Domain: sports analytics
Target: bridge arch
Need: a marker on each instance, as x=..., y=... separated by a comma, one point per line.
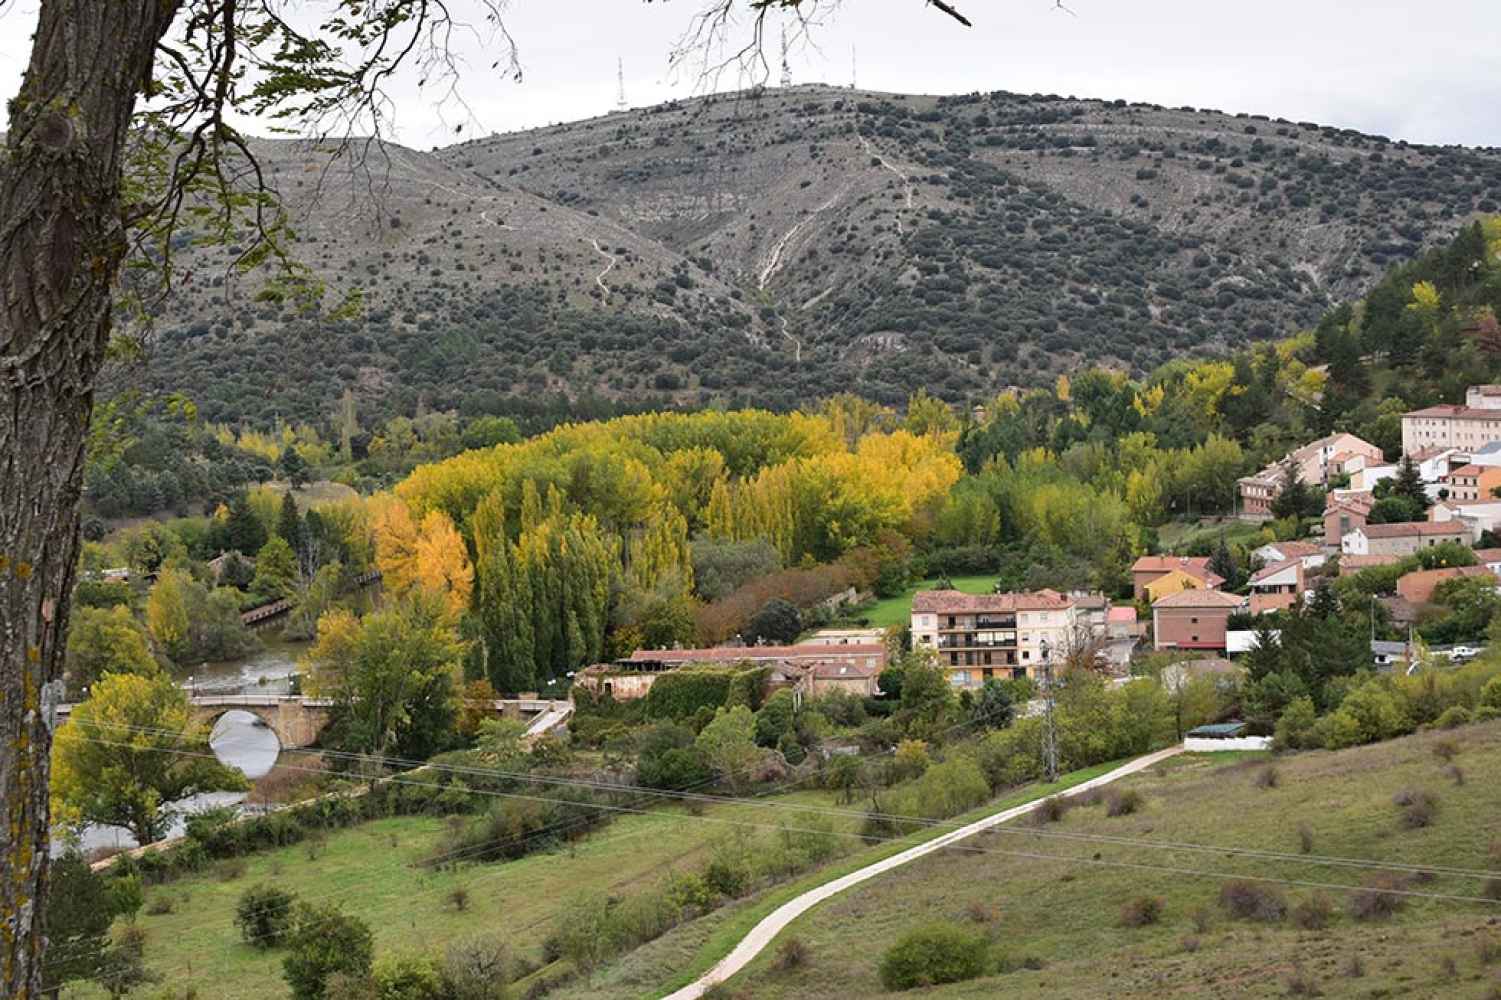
x=242, y=738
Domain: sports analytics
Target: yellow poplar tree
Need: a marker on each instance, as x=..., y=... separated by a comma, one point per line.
x=442, y=566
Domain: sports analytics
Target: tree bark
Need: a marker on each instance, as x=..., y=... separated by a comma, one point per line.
x=62, y=240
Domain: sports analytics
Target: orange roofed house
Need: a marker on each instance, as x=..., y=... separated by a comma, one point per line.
x=982, y=636
x=1418, y=586
x=1193, y=619
x=1148, y=569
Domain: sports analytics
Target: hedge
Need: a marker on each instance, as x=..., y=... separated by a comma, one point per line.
x=680, y=693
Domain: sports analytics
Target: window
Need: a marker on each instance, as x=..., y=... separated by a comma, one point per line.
x=1193, y=621
x=1195, y=638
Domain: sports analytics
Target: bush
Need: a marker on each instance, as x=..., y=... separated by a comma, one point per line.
x=1051, y=810
x=1248, y=900
x=477, y=968
x=408, y=977
x=125, y=896
x=1122, y=802
x=791, y=954
x=936, y=953
x=264, y=915
x=1378, y=900
x=1313, y=913
x=1142, y=911
x=1268, y=777
x=1487, y=713
x=1305, y=838
x=326, y=942
x=458, y=898
x=1453, y=717
x=680, y=693
x=1419, y=807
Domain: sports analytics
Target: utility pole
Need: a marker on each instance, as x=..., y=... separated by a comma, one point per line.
x=620, y=104
x=852, y=67
x=1050, y=733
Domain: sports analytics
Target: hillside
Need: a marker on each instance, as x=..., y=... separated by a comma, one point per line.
x=1051, y=904
x=797, y=243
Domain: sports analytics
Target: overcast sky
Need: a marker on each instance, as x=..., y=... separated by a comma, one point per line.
x=1426, y=72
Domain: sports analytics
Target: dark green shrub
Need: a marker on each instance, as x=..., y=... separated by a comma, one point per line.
x=1419, y=807
x=681, y=693
x=325, y=942
x=937, y=953
x=264, y=915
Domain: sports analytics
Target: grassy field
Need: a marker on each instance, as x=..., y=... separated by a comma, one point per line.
x=372, y=871
x=1054, y=904
x=898, y=610
x=689, y=950
x=1177, y=536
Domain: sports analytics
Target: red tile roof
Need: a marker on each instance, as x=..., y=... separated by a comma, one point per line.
x=831, y=670
x=1194, y=566
x=1466, y=470
x=1405, y=529
x=732, y=654
x=1455, y=412
x=1488, y=555
x=1121, y=614
x=957, y=602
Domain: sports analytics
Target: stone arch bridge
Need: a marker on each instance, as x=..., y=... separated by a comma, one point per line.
x=297, y=721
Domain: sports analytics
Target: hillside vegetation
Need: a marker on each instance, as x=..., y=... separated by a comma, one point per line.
x=786, y=245
x=1053, y=909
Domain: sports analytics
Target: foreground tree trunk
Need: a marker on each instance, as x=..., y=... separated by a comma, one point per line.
x=62, y=240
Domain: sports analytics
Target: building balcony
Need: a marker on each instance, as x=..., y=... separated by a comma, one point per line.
x=962, y=642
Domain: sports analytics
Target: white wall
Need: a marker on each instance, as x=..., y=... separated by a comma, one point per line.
x=1200, y=745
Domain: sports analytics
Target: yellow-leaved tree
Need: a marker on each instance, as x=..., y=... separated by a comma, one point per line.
x=442, y=564
x=129, y=754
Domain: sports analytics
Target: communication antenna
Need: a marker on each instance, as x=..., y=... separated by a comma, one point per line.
x=620, y=81
x=852, y=67
x=786, y=67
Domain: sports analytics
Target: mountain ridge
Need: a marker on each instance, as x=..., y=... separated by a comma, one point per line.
x=773, y=248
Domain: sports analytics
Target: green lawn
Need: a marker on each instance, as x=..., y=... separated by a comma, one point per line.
x=898, y=610
x=1049, y=902
x=1178, y=536
x=371, y=870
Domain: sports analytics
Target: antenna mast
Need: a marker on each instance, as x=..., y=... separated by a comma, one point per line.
x=620, y=81
x=786, y=68
x=852, y=67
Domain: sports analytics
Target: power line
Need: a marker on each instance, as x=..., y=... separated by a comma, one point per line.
x=844, y=813
x=1032, y=855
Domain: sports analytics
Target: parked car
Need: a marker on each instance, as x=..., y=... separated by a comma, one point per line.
x=1463, y=653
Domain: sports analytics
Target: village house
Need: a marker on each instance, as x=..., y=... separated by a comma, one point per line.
x=1310, y=555
x=871, y=655
x=1172, y=582
x=1278, y=586
x=1490, y=559
x=1343, y=513
x=1471, y=426
x=1149, y=568
x=982, y=636
x=827, y=676
x=1403, y=538
x=1418, y=586
x=1194, y=619
x=1316, y=464
x=1470, y=483
x=1121, y=623
x=1475, y=518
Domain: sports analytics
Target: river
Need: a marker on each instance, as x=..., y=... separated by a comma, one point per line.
x=238, y=738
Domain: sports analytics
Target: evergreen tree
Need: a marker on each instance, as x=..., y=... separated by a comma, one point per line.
x=78, y=919
x=244, y=532
x=289, y=522
x=1265, y=655
x=294, y=467
x=1223, y=563
x=1293, y=501
x=1408, y=483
